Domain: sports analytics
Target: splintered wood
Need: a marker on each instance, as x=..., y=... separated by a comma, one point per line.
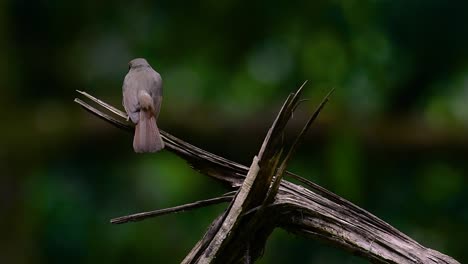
x=264, y=201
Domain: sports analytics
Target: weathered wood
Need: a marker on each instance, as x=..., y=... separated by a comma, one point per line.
x=308, y=210
x=237, y=239
x=230, y=220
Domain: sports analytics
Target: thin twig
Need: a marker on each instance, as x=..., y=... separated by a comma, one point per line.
x=105, y=105
x=176, y=209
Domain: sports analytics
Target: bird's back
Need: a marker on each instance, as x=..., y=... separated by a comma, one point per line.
x=140, y=79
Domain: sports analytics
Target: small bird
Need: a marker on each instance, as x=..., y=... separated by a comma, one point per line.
x=142, y=98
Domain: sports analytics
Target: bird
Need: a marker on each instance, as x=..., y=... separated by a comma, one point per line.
x=142, y=98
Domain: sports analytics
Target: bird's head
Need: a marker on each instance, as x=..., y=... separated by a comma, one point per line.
x=137, y=63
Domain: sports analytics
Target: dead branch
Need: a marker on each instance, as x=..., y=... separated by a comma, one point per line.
x=144, y=215
x=263, y=202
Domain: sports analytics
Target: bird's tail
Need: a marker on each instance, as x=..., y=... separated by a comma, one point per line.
x=147, y=137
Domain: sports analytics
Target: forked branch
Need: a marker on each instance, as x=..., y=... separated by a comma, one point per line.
x=264, y=201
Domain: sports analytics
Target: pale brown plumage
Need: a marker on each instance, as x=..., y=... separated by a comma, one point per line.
x=142, y=98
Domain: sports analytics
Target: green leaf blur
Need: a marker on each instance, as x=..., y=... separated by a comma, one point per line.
x=393, y=139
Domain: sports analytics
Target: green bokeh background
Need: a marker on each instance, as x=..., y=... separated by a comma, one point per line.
x=394, y=138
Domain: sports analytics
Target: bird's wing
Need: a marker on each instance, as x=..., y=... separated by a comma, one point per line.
x=130, y=99
x=157, y=87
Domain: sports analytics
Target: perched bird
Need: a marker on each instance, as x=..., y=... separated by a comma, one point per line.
x=142, y=98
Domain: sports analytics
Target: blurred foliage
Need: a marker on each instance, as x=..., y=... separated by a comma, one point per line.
x=394, y=138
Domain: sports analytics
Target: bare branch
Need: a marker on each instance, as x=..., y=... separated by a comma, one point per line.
x=176, y=209
x=119, y=124
x=105, y=105
x=311, y=212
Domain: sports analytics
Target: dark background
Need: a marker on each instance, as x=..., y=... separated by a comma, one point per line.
x=394, y=138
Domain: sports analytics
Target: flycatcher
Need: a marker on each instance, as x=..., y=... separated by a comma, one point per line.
x=142, y=98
